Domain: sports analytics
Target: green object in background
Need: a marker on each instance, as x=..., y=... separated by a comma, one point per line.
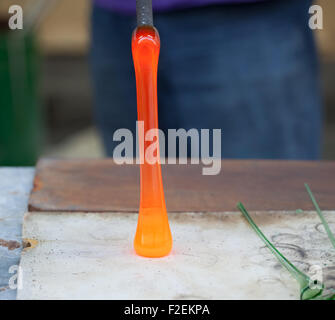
x=20, y=125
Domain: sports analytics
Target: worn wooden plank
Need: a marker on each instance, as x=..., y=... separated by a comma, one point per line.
x=15, y=185
x=102, y=186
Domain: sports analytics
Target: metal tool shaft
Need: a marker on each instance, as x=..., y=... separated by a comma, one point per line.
x=144, y=13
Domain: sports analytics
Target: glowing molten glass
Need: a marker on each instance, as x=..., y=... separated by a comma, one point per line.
x=153, y=236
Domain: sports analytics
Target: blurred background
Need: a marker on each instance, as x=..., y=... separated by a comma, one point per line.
x=52, y=104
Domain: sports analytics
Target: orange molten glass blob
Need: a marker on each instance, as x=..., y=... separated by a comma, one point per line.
x=153, y=236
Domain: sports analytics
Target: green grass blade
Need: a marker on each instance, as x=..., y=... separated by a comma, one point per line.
x=301, y=277
x=321, y=216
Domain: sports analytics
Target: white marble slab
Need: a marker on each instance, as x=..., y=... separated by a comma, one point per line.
x=215, y=256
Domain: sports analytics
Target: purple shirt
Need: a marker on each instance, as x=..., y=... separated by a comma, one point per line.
x=129, y=6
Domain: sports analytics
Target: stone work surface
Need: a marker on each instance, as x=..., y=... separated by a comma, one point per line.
x=15, y=185
x=215, y=256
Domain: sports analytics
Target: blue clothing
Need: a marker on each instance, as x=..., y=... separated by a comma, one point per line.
x=248, y=69
x=129, y=6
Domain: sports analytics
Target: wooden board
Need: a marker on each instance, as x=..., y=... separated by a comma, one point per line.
x=102, y=186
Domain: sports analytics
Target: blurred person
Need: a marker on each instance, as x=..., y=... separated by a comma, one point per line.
x=244, y=66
